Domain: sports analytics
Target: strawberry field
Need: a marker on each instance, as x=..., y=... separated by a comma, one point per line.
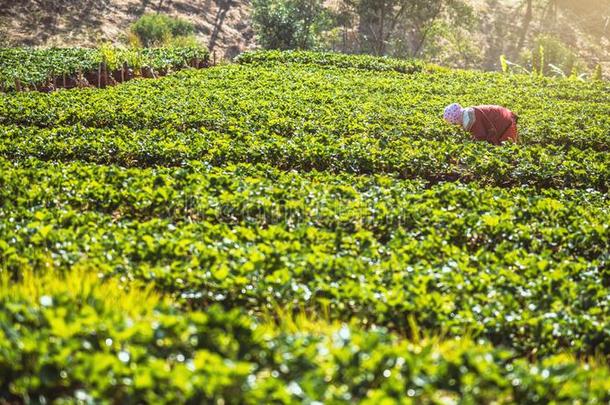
x=24, y=69
x=305, y=228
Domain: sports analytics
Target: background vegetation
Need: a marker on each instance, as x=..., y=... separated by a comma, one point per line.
x=574, y=38
x=459, y=33
x=159, y=30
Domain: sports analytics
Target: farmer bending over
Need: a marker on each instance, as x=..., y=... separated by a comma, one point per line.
x=490, y=123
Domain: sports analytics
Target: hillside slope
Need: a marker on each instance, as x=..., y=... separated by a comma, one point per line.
x=221, y=24
x=225, y=25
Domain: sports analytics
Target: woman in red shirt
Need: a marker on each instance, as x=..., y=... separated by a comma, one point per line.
x=490, y=123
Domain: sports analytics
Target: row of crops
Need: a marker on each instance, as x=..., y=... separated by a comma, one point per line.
x=304, y=227
x=364, y=62
x=365, y=247
x=75, y=339
x=48, y=69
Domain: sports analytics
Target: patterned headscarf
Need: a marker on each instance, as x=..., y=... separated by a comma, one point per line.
x=453, y=113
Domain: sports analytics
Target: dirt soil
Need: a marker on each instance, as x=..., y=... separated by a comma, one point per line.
x=223, y=25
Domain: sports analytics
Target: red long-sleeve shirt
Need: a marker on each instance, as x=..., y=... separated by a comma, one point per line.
x=494, y=124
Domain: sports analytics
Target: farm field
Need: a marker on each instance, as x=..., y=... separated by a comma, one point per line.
x=304, y=228
x=23, y=69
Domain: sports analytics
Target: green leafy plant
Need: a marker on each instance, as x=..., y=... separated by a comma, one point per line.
x=289, y=24
x=301, y=227
x=364, y=62
x=597, y=74
x=504, y=64
x=64, y=335
x=159, y=29
x=33, y=69
x=549, y=56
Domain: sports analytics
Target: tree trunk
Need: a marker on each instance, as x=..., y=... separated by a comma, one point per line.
x=424, y=29
x=395, y=20
x=381, y=37
x=527, y=19
x=369, y=15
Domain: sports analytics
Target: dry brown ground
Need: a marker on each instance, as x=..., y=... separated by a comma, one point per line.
x=224, y=25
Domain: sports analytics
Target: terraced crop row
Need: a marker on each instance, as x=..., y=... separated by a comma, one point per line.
x=76, y=338
x=326, y=103
x=34, y=69
x=363, y=62
x=431, y=160
x=524, y=269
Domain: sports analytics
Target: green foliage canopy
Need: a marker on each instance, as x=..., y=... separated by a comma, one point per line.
x=157, y=29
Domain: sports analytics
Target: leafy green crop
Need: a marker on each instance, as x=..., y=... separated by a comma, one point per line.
x=434, y=161
x=305, y=117
x=316, y=225
x=365, y=62
x=76, y=338
x=380, y=249
x=32, y=68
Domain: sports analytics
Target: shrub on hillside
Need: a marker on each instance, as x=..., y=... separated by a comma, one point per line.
x=158, y=29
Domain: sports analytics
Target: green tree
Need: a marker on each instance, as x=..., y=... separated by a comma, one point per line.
x=408, y=23
x=289, y=24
